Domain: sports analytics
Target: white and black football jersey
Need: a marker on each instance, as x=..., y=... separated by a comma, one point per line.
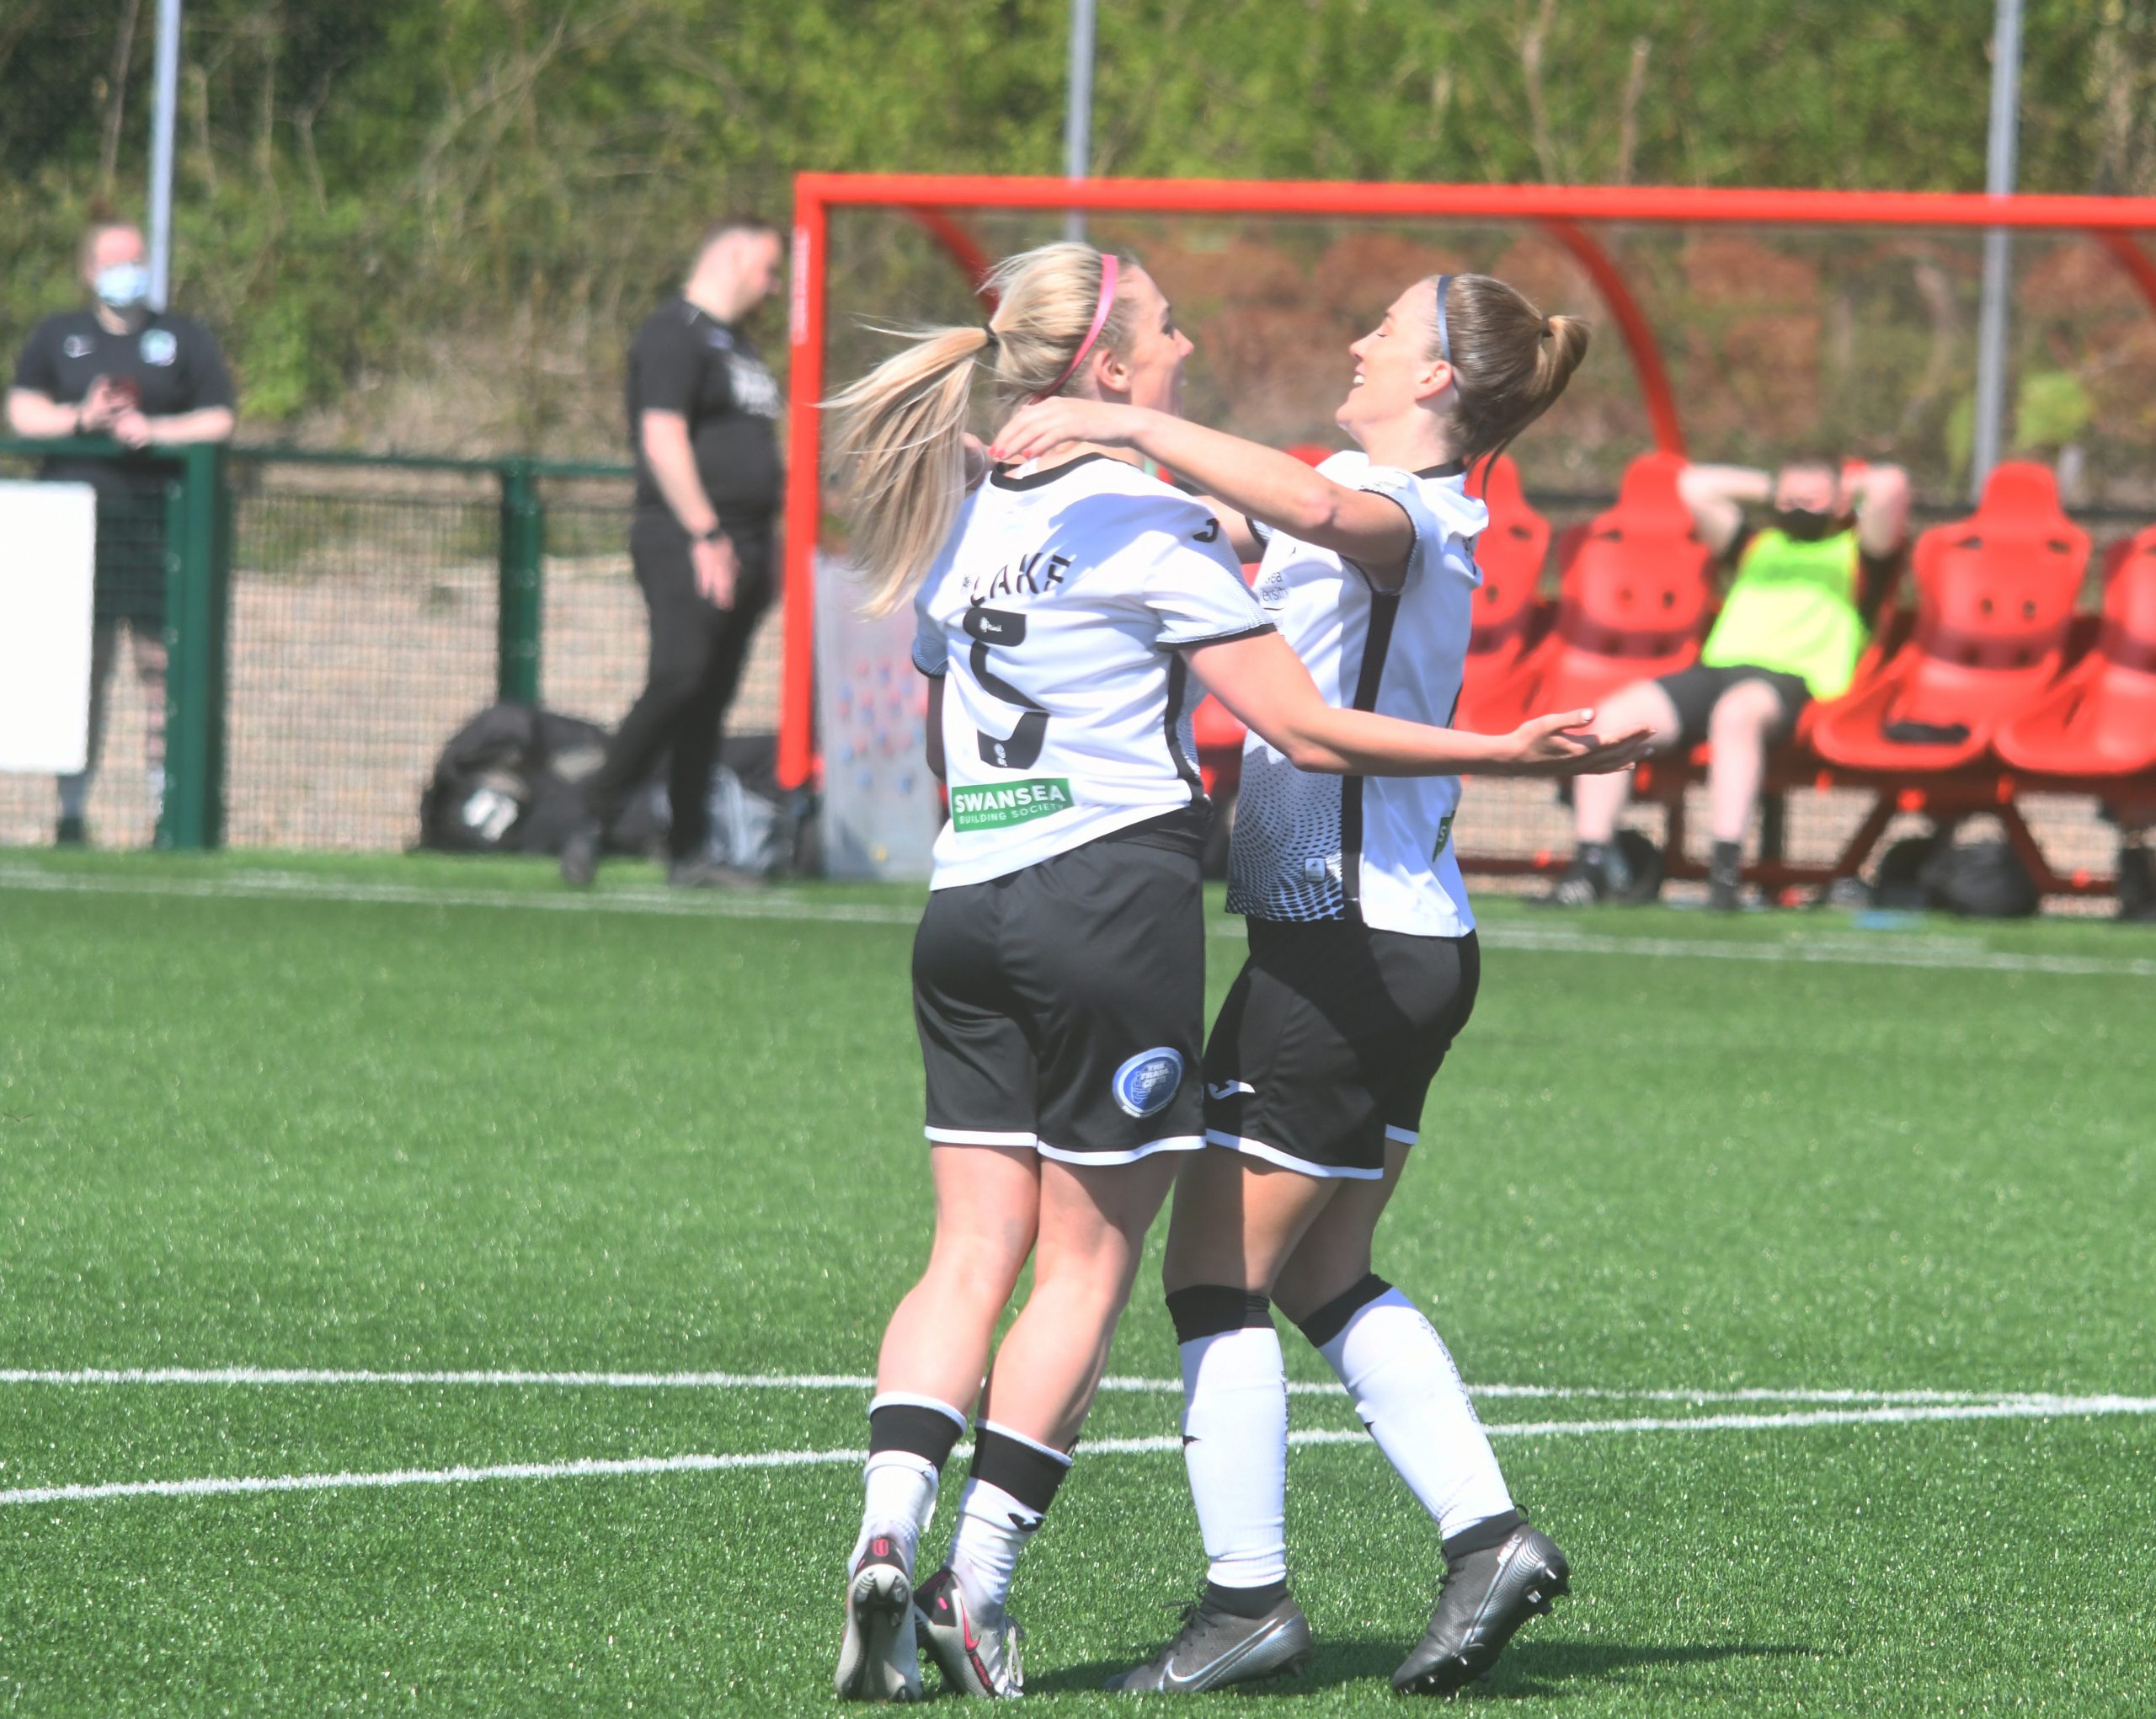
x=1379, y=848
x=1057, y=613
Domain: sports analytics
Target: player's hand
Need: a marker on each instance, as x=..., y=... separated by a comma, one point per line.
x=104, y=402
x=132, y=429
x=1040, y=428
x=1563, y=745
x=716, y=566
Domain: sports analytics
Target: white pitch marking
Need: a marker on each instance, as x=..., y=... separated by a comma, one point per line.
x=1932, y=953
x=584, y=1467
x=2048, y=1408
x=845, y=1381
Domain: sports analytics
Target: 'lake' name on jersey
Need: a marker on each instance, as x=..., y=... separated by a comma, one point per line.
x=1035, y=575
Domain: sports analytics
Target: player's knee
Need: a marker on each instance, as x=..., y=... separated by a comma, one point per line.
x=1097, y=1280
x=1739, y=719
x=981, y=1267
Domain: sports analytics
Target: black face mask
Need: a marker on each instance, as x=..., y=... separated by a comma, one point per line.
x=1806, y=526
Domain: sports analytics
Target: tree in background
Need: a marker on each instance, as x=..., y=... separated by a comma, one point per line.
x=434, y=221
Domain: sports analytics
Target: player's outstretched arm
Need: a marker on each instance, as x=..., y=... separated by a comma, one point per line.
x=1275, y=489
x=1264, y=683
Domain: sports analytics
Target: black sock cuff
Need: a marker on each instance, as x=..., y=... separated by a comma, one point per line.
x=1332, y=1319
x=1244, y=1602
x=1022, y=1468
x=920, y=1429
x=1481, y=1536
x=1209, y=1310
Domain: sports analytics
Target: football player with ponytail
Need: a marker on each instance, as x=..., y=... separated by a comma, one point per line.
x=1069, y=609
x=1363, y=969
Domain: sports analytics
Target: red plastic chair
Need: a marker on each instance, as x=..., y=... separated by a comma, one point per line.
x=1510, y=554
x=2101, y=720
x=1995, y=596
x=1632, y=606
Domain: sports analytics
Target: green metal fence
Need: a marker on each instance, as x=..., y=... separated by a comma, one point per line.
x=332, y=618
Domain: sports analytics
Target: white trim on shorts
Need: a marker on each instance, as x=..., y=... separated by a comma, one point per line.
x=1400, y=1136
x=1167, y=1142
x=979, y=1137
x=1286, y=1161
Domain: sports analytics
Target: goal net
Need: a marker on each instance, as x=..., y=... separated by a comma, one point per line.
x=1729, y=326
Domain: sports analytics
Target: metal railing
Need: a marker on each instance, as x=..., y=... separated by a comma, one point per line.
x=331, y=617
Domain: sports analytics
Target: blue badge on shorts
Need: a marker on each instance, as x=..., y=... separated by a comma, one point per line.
x=1145, y=1084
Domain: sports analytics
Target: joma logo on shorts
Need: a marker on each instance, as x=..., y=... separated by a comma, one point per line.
x=1010, y=803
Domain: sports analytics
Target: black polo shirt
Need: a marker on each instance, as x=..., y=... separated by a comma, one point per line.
x=172, y=360
x=685, y=360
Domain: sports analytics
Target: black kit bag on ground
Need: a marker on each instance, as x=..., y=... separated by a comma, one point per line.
x=1980, y=880
x=755, y=825
x=510, y=781
x=1899, y=883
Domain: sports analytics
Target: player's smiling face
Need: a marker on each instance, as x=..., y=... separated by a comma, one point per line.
x=1395, y=370
x=1147, y=370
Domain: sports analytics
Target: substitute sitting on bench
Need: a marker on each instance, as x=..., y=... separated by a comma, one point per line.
x=1805, y=589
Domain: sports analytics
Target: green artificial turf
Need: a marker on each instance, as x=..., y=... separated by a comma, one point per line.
x=421, y=1115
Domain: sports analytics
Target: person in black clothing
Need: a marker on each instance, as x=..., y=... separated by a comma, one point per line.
x=703, y=412
x=148, y=379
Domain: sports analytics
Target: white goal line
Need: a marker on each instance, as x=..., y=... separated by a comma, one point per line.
x=514, y=1379
x=2044, y=1408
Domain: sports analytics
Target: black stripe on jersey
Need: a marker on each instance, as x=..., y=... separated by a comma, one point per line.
x=1004, y=478
x=1384, y=609
x=1235, y=638
x=1178, y=689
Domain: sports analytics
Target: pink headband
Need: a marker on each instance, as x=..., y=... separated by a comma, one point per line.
x=1100, y=322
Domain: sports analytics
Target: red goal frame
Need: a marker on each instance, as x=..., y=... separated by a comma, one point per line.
x=1566, y=212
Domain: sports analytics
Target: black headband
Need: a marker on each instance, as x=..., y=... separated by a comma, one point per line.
x=1444, y=345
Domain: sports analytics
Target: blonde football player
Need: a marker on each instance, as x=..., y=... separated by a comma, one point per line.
x=1069, y=609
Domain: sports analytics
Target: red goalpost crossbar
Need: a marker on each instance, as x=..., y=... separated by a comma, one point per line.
x=1561, y=210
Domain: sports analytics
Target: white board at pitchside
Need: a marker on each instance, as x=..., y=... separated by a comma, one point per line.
x=48, y=556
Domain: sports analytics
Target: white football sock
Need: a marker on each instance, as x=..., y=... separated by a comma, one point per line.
x=74, y=794
x=910, y=1439
x=899, y=1490
x=1409, y=1394
x=993, y=1528
x=1234, y=1444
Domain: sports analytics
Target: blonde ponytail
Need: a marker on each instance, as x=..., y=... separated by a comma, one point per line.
x=1510, y=362
x=898, y=440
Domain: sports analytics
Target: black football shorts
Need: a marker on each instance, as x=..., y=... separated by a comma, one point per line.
x=1329, y=1040
x=1063, y=1007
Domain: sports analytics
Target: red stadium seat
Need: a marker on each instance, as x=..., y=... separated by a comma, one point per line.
x=2101, y=720
x=1995, y=596
x=1632, y=607
x=1510, y=554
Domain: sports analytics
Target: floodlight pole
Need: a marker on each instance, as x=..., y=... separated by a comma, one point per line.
x=1998, y=246
x=163, y=110
x=1078, y=111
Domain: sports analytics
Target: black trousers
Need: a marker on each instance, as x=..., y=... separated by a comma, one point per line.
x=696, y=654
